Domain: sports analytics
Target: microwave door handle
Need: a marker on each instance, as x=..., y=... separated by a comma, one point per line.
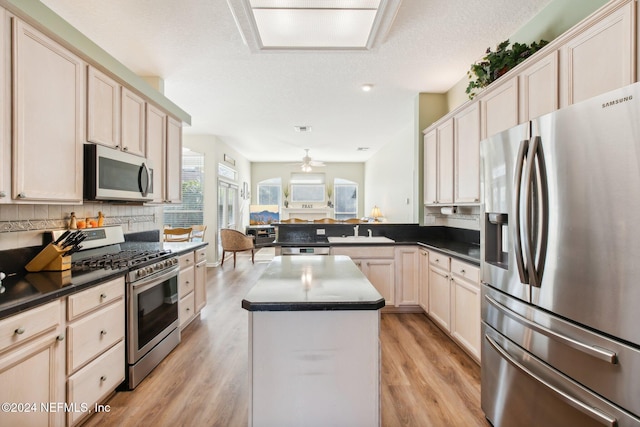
x=517, y=204
x=144, y=189
x=543, y=210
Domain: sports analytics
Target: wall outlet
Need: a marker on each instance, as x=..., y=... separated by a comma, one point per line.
x=320, y=231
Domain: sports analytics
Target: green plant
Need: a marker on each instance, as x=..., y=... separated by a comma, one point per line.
x=285, y=191
x=498, y=62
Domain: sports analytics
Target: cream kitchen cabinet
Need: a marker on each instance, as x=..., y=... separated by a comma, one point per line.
x=174, y=161
x=440, y=290
x=156, y=150
x=48, y=119
x=32, y=362
x=600, y=55
x=95, y=345
x=423, y=298
x=538, y=87
x=407, y=271
x=466, y=127
x=499, y=106
x=200, y=288
x=132, y=135
x=378, y=265
x=5, y=109
x=186, y=286
x=103, y=109
x=465, y=306
x=438, y=163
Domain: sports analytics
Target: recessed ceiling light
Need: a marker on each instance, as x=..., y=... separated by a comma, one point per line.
x=363, y=149
x=366, y=87
x=302, y=128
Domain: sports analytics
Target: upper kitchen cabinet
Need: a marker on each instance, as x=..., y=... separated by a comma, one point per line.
x=466, y=127
x=103, y=109
x=438, y=164
x=600, y=55
x=133, y=123
x=48, y=119
x=538, y=86
x=499, y=107
x=156, y=150
x=174, y=161
x=5, y=109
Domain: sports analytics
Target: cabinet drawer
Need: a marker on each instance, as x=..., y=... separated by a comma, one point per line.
x=201, y=255
x=464, y=270
x=101, y=295
x=186, y=309
x=439, y=260
x=24, y=326
x=186, y=281
x=95, y=381
x=364, y=251
x=93, y=334
x=186, y=260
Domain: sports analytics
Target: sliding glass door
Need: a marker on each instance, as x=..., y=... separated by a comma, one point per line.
x=227, y=208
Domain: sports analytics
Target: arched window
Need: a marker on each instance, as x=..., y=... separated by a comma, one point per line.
x=346, y=198
x=269, y=191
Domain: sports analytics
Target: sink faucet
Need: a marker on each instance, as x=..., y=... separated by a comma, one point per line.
x=370, y=234
x=355, y=230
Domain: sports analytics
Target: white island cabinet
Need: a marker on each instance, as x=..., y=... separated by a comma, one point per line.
x=314, y=352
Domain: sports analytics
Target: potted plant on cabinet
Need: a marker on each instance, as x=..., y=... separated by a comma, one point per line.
x=285, y=193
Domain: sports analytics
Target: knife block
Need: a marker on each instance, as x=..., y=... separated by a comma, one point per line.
x=51, y=258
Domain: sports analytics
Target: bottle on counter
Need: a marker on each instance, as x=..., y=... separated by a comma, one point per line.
x=100, y=219
x=73, y=222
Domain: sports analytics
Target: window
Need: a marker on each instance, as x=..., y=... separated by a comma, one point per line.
x=227, y=172
x=307, y=187
x=346, y=198
x=269, y=191
x=190, y=211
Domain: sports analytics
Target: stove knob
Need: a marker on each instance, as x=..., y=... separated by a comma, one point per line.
x=139, y=273
x=158, y=266
x=149, y=270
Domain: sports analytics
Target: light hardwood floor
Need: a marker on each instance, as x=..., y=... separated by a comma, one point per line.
x=426, y=379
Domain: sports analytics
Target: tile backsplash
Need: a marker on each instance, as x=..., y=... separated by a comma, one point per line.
x=23, y=225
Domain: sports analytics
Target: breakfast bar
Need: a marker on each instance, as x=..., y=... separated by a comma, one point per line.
x=314, y=355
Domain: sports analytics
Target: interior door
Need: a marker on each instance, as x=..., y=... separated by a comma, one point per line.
x=227, y=208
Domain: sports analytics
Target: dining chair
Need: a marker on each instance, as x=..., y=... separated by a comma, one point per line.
x=325, y=221
x=292, y=220
x=197, y=233
x=352, y=221
x=235, y=241
x=178, y=234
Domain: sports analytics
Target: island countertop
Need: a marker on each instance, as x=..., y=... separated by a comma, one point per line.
x=311, y=283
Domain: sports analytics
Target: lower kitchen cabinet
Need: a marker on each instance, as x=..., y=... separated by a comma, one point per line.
x=32, y=362
x=439, y=290
x=186, y=285
x=200, y=288
x=407, y=260
x=465, y=306
x=423, y=293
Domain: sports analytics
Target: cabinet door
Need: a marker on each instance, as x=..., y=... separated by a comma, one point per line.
x=103, y=109
x=439, y=297
x=5, y=109
x=599, y=59
x=465, y=316
x=445, y=162
x=380, y=273
x=133, y=123
x=467, y=155
x=430, y=167
x=407, y=260
x=424, y=280
x=156, y=147
x=200, y=289
x=35, y=373
x=174, y=161
x=499, y=107
x=539, y=88
x=48, y=107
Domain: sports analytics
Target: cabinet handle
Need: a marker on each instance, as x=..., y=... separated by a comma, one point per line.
x=103, y=378
x=21, y=196
x=19, y=331
x=103, y=296
x=125, y=148
x=437, y=259
x=187, y=282
x=462, y=271
x=103, y=332
x=188, y=309
x=60, y=337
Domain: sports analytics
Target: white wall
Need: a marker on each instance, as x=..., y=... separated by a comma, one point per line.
x=351, y=171
x=391, y=178
x=214, y=151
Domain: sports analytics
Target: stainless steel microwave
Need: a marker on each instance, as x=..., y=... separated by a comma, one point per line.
x=111, y=174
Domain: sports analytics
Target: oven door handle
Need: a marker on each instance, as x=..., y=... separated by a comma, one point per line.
x=150, y=281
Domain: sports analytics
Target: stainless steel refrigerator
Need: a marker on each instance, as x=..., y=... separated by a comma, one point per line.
x=560, y=257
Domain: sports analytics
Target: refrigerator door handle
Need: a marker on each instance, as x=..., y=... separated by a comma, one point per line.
x=597, y=352
x=517, y=203
x=543, y=210
x=586, y=409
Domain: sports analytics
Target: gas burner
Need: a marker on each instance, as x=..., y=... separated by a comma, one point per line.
x=117, y=260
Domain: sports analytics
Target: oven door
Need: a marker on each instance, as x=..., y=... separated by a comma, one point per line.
x=152, y=311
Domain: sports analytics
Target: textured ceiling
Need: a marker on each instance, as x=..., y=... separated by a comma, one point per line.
x=252, y=101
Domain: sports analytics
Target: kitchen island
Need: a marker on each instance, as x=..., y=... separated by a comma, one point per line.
x=314, y=355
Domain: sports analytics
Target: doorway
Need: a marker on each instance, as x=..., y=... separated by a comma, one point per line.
x=227, y=208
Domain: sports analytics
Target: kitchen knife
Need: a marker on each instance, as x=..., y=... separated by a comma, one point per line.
x=62, y=236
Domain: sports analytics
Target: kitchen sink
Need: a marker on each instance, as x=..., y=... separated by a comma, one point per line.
x=360, y=239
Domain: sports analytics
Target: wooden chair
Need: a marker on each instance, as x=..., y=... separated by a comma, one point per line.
x=292, y=220
x=177, y=234
x=235, y=241
x=197, y=233
x=352, y=221
x=325, y=221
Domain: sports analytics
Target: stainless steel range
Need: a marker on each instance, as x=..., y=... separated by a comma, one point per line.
x=151, y=294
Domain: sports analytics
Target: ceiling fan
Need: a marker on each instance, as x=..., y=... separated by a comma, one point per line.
x=307, y=162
